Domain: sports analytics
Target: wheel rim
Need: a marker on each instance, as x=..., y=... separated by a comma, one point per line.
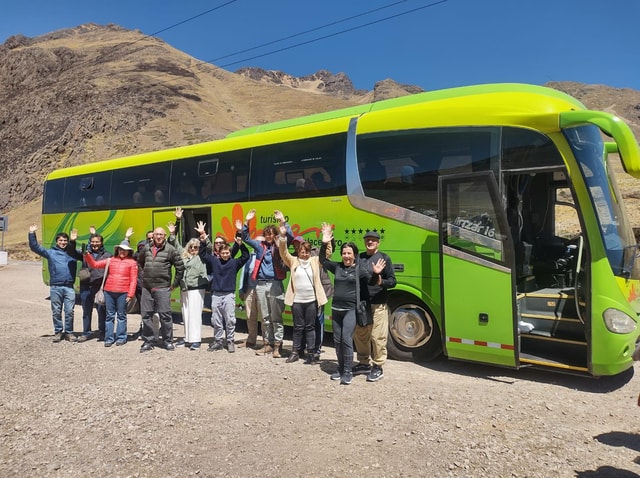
x=410, y=326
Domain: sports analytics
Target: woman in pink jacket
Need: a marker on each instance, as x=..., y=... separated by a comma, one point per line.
x=119, y=288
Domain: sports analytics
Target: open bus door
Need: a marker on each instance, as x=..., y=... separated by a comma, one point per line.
x=478, y=287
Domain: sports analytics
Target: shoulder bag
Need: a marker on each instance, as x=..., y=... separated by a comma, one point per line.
x=99, y=297
x=364, y=316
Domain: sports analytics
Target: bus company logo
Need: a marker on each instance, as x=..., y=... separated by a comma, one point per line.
x=480, y=224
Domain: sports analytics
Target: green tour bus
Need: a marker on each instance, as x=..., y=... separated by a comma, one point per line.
x=497, y=204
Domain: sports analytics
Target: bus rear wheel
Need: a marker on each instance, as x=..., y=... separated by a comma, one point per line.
x=413, y=332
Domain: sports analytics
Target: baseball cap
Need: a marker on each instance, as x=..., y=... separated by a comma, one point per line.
x=373, y=234
x=298, y=239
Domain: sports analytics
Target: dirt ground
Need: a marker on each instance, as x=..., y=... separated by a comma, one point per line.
x=72, y=409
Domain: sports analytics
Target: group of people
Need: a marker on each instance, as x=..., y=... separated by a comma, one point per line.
x=160, y=264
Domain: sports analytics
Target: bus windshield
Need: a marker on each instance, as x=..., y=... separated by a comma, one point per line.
x=617, y=233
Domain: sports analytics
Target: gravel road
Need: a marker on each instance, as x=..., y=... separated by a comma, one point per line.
x=71, y=409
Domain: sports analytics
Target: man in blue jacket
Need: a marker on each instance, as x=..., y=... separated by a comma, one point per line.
x=62, y=275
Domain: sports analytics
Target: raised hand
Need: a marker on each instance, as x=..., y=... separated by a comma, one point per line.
x=200, y=228
x=33, y=227
x=172, y=228
x=238, y=225
x=250, y=215
x=129, y=233
x=73, y=234
x=327, y=232
x=178, y=213
x=92, y=229
x=379, y=266
x=279, y=216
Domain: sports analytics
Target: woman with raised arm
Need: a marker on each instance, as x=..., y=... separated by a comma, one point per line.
x=343, y=307
x=192, y=288
x=304, y=295
x=119, y=289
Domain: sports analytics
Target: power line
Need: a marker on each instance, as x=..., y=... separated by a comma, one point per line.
x=307, y=31
x=332, y=34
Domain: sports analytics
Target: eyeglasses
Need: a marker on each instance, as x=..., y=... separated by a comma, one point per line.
x=193, y=247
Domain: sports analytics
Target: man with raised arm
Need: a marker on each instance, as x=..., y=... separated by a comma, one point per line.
x=157, y=260
x=269, y=273
x=62, y=275
x=371, y=340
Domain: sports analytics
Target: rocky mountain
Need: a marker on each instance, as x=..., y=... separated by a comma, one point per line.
x=95, y=92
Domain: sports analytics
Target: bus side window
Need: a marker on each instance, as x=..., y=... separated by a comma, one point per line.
x=305, y=168
x=87, y=192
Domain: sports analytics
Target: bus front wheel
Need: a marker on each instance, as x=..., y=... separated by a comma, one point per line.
x=413, y=332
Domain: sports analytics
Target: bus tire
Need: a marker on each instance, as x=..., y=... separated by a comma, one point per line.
x=413, y=332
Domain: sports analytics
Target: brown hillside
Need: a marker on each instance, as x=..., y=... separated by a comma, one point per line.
x=95, y=92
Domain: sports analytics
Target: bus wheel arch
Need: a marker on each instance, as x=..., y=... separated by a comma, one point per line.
x=413, y=331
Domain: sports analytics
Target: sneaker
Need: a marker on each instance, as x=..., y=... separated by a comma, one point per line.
x=346, y=378
x=57, y=337
x=120, y=342
x=375, y=374
x=69, y=337
x=83, y=338
x=231, y=347
x=108, y=344
x=316, y=357
x=146, y=347
x=195, y=346
x=180, y=343
x=215, y=346
x=336, y=375
x=361, y=369
x=169, y=346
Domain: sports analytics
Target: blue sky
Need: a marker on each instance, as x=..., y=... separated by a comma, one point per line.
x=437, y=44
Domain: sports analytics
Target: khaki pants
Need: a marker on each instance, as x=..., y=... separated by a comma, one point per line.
x=371, y=341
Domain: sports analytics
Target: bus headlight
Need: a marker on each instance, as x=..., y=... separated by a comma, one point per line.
x=618, y=322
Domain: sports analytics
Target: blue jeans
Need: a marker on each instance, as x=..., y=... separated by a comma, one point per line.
x=87, y=296
x=116, y=303
x=62, y=296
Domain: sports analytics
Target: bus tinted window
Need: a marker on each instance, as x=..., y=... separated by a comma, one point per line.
x=306, y=168
x=141, y=186
x=524, y=148
x=53, y=195
x=210, y=179
x=394, y=165
x=90, y=192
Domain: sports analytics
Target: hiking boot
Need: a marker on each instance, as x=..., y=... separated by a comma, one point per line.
x=361, y=369
x=276, y=349
x=266, y=349
x=293, y=357
x=346, y=378
x=375, y=374
x=215, y=346
x=57, y=337
x=231, y=347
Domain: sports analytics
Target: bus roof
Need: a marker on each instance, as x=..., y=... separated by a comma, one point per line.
x=313, y=125
x=411, y=100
